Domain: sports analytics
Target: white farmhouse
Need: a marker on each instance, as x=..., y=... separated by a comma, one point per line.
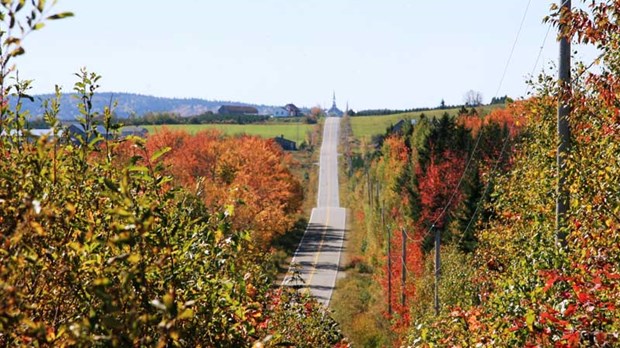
x=280, y=112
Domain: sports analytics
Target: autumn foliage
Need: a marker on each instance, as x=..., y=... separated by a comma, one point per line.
x=530, y=290
x=109, y=242
x=421, y=182
x=249, y=174
x=438, y=187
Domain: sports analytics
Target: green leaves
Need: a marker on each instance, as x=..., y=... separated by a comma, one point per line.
x=160, y=153
x=530, y=317
x=95, y=251
x=60, y=16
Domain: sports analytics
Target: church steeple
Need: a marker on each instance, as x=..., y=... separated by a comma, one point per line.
x=334, y=111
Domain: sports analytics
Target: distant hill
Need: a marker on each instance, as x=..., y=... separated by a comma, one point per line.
x=130, y=103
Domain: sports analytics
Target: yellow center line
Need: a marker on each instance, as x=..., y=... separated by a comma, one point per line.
x=327, y=212
x=318, y=253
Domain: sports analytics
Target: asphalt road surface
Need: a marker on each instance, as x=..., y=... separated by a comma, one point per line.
x=317, y=258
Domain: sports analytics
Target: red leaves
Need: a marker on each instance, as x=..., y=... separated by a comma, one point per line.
x=570, y=310
x=572, y=339
x=551, y=279
x=587, y=306
x=248, y=173
x=437, y=185
x=413, y=269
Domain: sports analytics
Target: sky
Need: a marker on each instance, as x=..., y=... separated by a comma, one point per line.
x=373, y=54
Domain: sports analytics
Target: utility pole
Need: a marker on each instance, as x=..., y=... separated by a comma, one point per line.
x=437, y=268
x=378, y=187
x=389, y=258
x=369, y=183
x=404, y=268
x=563, y=197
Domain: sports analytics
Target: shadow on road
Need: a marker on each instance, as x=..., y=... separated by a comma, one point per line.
x=321, y=238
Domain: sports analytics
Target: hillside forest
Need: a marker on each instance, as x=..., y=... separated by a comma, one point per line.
x=485, y=187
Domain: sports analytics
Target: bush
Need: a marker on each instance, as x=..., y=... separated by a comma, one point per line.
x=98, y=252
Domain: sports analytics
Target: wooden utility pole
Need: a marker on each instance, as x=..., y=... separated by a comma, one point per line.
x=369, y=189
x=563, y=197
x=389, y=258
x=437, y=268
x=404, y=267
x=378, y=192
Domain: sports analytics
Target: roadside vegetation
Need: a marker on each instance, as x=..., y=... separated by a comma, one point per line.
x=507, y=278
x=160, y=242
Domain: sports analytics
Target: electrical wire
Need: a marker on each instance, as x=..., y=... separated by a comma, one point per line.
x=479, y=137
x=477, y=143
x=505, y=143
x=540, y=51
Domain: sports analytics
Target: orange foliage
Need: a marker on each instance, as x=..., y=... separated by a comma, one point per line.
x=389, y=169
x=413, y=269
x=510, y=117
x=246, y=173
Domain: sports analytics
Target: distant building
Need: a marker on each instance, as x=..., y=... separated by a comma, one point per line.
x=134, y=130
x=77, y=131
x=334, y=111
x=293, y=111
x=237, y=110
x=37, y=133
x=285, y=144
x=280, y=112
x=289, y=110
x=398, y=127
x=32, y=135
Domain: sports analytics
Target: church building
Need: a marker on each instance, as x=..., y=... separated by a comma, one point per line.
x=334, y=111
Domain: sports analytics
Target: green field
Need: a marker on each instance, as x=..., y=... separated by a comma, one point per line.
x=367, y=126
x=292, y=131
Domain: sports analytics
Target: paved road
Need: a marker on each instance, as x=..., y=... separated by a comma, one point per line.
x=318, y=254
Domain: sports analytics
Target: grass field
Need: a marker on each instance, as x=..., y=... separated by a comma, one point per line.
x=367, y=126
x=292, y=131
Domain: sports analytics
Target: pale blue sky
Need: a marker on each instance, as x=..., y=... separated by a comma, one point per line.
x=374, y=54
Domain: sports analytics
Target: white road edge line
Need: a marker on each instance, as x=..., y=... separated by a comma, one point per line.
x=339, y=258
x=288, y=273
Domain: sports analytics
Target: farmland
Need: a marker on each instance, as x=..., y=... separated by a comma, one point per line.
x=293, y=131
x=367, y=126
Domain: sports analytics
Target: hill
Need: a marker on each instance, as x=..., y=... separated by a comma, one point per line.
x=369, y=125
x=130, y=104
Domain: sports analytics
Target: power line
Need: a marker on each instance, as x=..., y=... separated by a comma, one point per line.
x=512, y=50
x=479, y=137
x=498, y=161
x=470, y=159
x=506, y=140
x=405, y=235
x=540, y=51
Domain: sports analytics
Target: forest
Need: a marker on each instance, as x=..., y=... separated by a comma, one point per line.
x=485, y=187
